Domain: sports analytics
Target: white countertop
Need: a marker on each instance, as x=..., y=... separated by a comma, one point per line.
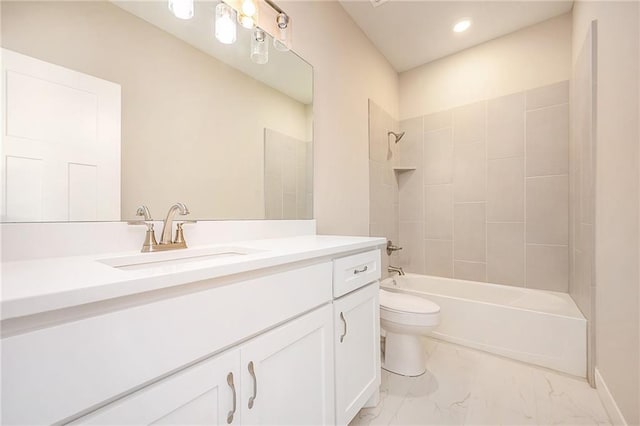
x=35, y=286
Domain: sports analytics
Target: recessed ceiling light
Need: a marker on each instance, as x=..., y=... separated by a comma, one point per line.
x=462, y=25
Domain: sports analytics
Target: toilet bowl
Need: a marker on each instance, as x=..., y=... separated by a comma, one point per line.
x=405, y=318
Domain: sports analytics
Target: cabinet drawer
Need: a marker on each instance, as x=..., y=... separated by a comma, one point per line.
x=353, y=272
x=53, y=373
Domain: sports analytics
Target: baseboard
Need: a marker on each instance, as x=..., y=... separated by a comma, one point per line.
x=615, y=415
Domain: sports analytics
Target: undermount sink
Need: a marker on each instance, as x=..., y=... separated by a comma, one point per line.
x=174, y=257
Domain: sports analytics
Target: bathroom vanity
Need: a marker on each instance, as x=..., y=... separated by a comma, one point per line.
x=275, y=331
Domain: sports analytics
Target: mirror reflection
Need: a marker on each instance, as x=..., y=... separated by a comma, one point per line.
x=110, y=105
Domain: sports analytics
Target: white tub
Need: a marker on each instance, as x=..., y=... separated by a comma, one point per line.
x=540, y=327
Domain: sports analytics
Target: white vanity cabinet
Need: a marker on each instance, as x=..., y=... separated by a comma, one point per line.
x=204, y=394
x=290, y=381
x=290, y=343
x=356, y=332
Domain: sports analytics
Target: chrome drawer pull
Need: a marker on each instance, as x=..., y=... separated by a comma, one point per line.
x=359, y=271
x=255, y=385
x=345, y=327
x=233, y=389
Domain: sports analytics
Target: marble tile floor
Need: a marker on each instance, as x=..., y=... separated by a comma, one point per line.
x=463, y=386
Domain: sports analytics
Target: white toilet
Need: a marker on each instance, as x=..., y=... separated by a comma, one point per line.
x=405, y=318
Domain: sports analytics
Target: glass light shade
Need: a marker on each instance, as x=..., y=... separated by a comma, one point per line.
x=259, y=47
x=225, y=24
x=247, y=21
x=182, y=9
x=248, y=14
x=282, y=38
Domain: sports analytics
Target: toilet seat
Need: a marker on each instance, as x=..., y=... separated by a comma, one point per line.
x=401, y=302
x=405, y=309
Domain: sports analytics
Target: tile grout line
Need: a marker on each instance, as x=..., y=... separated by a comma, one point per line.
x=547, y=245
x=453, y=196
x=423, y=223
x=546, y=106
x=486, y=189
x=547, y=176
x=524, y=192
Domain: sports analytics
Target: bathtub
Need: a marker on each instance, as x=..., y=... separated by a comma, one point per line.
x=539, y=327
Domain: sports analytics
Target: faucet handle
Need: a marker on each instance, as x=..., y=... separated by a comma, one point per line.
x=150, y=236
x=391, y=248
x=180, y=232
x=144, y=211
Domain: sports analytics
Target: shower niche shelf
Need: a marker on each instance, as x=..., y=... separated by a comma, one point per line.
x=402, y=169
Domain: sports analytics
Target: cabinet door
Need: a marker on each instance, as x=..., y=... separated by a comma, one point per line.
x=203, y=394
x=287, y=373
x=357, y=348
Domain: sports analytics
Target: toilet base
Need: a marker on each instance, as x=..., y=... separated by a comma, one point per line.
x=404, y=354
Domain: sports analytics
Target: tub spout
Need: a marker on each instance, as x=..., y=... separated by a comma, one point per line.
x=398, y=269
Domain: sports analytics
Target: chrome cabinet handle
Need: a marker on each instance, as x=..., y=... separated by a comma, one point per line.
x=345, y=327
x=359, y=271
x=255, y=384
x=233, y=389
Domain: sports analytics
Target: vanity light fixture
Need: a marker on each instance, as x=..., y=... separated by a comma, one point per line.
x=259, y=47
x=282, y=38
x=182, y=9
x=248, y=14
x=462, y=25
x=225, y=24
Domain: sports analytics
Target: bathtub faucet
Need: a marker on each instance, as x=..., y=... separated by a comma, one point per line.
x=398, y=269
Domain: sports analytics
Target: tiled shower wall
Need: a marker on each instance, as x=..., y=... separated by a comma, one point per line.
x=488, y=199
x=288, y=177
x=383, y=186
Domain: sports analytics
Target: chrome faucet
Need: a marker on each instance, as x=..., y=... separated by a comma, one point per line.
x=392, y=269
x=168, y=222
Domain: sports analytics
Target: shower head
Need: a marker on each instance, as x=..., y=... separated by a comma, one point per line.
x=397, y=136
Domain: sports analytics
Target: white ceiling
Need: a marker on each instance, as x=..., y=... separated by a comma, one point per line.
x=412, y=33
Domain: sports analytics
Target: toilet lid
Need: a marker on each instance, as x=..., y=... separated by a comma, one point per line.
x=407, y=303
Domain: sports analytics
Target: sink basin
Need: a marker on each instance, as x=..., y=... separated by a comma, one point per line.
x=174, y=257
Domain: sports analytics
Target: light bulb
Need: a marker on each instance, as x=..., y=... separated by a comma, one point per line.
x=247, y=22
x=182, y=9
x=259, y=47
x=248, y=8
x=225, y=24
x=248, y=14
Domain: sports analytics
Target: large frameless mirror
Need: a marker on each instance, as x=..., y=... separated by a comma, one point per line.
x=110, y=105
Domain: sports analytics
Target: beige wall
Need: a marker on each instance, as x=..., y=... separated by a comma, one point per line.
x=189, y=121
x=617, y=190
x=523, y=60
x=348, y=70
